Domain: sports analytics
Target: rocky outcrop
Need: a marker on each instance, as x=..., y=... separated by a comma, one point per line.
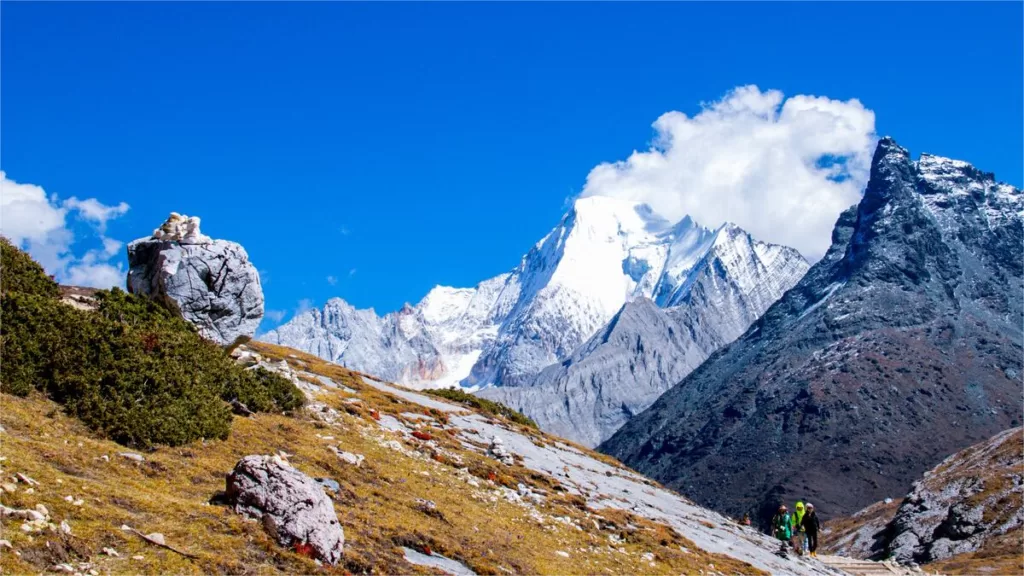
x=901, y=346
x=211, y=283
x=970, y=499
x=293, y=507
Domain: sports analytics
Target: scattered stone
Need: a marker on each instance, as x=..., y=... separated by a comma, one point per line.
x=292, y=506
x=157, y=538
x=353, y=459
x=63, y=568
x=6, y=544
x=26, y=479
x=65, y=527
x=111, y=552
x=8, y=487
x=329, y=484
x=497, y=451
x=211, y=283
x=240, y=409
x=132, y=456
x=138, y=557
x=562, y=553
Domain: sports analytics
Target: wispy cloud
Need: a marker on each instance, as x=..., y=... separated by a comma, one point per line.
x=304, y=305
x=352, y=272
x=344, y=231
x=42, y=225
x=781, y=168
x=274, y=316
x=332, y=280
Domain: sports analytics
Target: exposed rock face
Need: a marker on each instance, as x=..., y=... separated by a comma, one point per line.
x=970, y=499
x=902, y=345
x=644, y=349
x=211, y=283
x=292, y=506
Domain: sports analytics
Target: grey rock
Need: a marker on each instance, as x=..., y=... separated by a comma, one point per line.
x=329, y=484
x=132, y=456
x=210, y=283
x=240, y=408
x=886, y=357
x=292, y=506
x=961, y=504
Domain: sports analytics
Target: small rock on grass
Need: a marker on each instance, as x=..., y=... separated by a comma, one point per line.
x=132, y=456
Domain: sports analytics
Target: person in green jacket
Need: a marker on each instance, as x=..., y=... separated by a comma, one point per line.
x=782, y=528
x=797, y=528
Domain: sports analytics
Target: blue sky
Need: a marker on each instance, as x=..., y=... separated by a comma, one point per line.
x=393, y=147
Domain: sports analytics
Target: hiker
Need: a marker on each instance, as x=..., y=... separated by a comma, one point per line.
x=811, y=525
x=746, y=519
x=796, y=519
x=782, y=529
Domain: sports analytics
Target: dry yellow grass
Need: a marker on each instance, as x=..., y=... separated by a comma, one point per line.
x=170, y=493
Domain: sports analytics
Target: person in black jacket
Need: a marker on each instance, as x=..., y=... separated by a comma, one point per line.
x=811, y=525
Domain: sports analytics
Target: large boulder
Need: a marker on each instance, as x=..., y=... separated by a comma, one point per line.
x=211, y=283
x=293, y=507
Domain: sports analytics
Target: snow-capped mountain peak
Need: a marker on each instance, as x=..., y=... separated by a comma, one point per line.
x=603, y=253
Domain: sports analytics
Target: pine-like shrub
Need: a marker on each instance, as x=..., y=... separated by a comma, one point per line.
x=484, y=405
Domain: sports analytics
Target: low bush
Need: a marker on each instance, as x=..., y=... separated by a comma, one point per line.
x=131, y=369
x=482, y=404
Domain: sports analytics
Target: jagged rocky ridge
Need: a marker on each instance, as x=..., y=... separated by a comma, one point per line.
x=604, y=253
x=645, y=349
x=900, y=346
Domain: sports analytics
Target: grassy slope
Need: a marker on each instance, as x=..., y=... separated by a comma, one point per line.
x=170, y=493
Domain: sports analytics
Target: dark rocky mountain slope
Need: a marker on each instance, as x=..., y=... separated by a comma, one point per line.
x=902, y=345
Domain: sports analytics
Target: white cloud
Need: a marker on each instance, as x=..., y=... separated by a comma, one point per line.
x=332, y=280
x=783, y=169
x=39, y=224
x=352, y=272
x=95, y=275
x=275, y=316
x=94, y=211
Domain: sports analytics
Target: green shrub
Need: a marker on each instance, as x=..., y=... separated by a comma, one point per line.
x=19, y=273
x=484, y=405
x=131, y=369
